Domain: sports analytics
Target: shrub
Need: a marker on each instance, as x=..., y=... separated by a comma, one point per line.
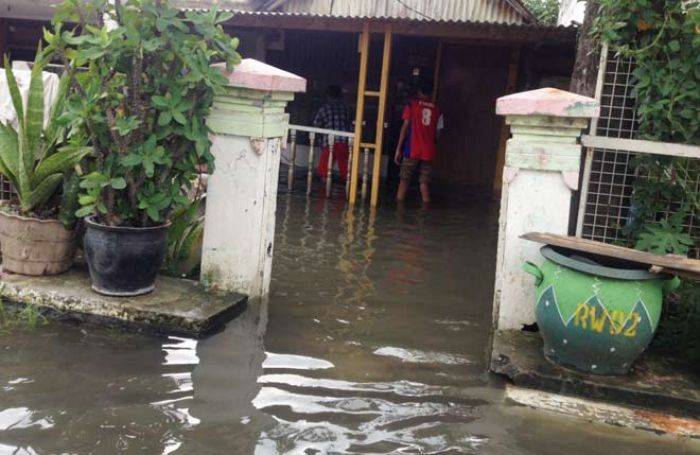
x=143, y=98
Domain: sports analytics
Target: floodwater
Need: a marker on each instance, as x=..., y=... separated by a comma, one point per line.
x=374, y=340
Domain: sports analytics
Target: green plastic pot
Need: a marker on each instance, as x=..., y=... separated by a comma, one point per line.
x=593, y=318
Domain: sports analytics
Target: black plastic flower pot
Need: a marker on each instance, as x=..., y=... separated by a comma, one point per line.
x=124, y=261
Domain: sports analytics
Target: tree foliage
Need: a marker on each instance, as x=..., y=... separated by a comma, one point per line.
x=546, y=11
x=143, y=99
x=663, y=37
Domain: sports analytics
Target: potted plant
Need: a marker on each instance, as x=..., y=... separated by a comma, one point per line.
x=142, y=99
x=36, y=230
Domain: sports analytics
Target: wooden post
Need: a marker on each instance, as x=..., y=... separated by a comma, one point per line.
x=360, y=114
x=365, y=173
x=436, y=75
x=349, y=172
x=505, y=129
x=329, y=171
x=310, y=173
x=290, y=171
x=3, y=41
x=383, y=89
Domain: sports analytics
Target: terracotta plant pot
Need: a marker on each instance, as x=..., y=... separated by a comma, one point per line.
x=31, y=246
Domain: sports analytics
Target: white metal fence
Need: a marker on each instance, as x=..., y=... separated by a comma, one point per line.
x=609, y=170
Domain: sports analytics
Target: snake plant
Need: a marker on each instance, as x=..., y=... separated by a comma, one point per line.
x=35, y=158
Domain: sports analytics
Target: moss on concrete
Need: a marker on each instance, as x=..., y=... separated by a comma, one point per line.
x=177, y=306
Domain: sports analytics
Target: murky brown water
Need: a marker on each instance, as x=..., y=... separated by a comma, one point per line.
x=374, y=341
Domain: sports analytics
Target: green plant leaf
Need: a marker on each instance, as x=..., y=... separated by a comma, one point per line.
x=13, y=88
x=34, y=124
x=165, y=118
x=664, y=239
x=59, y=162
x=9, y=153
x=41, y=193
x=131, y=160
x=84, y=211
x=118, y=183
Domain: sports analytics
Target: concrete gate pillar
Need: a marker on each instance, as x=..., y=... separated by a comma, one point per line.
x=248, y=124
x=542, y=167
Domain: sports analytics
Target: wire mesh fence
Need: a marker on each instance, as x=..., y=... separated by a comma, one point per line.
x=608, y=201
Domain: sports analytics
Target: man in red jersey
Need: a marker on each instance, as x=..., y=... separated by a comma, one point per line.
x=417, y=147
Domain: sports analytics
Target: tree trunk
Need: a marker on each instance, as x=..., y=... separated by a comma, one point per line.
x=585, y=75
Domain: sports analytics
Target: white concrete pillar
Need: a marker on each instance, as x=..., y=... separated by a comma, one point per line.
x=248, y=123
x=543, y=161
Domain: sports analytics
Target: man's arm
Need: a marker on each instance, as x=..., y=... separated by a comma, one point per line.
x=402, y=138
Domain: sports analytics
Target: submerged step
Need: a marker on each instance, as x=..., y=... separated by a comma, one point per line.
x=656, y=395
x=176, y=307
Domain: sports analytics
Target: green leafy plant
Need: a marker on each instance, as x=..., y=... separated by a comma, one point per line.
x=185, y=237
x=147, y=88
x=33, y=158
x=667, y=237
x=679, y=328
x=663, y=37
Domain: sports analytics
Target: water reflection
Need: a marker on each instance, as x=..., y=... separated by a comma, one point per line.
x=373, y=341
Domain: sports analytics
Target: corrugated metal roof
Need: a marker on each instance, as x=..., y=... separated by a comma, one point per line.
x=489, y=11
x=492, y=11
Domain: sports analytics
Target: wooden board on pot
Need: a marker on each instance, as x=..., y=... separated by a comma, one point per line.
x=672, y=264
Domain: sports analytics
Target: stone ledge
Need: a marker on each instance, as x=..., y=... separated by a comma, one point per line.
x=176, y=307
x=655, y=384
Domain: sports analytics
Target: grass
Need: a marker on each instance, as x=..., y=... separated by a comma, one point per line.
x=29, y=317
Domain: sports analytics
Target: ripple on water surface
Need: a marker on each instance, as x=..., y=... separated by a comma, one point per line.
x=374, y=340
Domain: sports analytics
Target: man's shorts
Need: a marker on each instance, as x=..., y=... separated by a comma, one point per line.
x=408, y=168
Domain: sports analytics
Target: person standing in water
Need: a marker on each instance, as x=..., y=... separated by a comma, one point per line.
x=334, y=115
x=417, y=146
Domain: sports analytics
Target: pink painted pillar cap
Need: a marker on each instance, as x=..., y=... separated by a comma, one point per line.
x=256, y=75
x=550, y=102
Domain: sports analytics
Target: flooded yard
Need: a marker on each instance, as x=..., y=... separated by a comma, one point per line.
x=375, y=340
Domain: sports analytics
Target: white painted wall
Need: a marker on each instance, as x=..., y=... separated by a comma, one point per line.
x=242, y=192
x=532, y=201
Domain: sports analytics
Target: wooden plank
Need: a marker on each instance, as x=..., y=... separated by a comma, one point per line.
x=377, y=169
x=372, y=93
x=511, y=85
x=668, y=263
x=360, y=113
x=367, y=145
x=588, y=156
x=638, y=146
